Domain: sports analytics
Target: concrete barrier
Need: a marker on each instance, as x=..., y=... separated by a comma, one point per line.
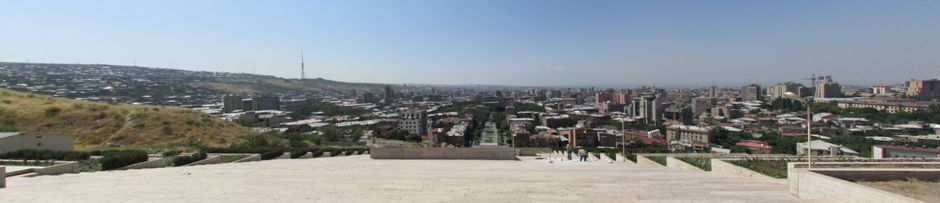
x=207, y=161
x=308, y=155
x=152, y=163
x=3, y=177
x=63, y=168
x=443, y=153
x=286, y=155
x=681, y=165
x=327, y=154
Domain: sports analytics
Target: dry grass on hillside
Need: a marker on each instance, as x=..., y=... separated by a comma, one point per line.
x=100, y=124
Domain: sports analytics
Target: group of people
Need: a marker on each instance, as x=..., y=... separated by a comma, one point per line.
x=582, y=155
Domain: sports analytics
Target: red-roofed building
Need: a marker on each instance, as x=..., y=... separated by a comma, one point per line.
x=755, y=146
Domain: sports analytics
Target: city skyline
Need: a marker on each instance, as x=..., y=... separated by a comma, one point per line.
x=517, y=43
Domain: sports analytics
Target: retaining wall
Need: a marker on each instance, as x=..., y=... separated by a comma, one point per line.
x=443, y=153
x=532, y=151
x=68, y=167
x=681, y=165
x=286, y=155
x=152, y=163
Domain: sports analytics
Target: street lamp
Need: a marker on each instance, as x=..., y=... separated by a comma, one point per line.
x=809, y=122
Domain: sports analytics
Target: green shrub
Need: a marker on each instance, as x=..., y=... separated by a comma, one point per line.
x=117, y=159
x=171, y=153
x=36, y=154
x=317, y=153
x=183, y=160
x=271, y=154
x=297, y=153
x=703, y=163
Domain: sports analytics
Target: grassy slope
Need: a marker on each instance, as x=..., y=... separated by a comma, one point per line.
x=98, y=124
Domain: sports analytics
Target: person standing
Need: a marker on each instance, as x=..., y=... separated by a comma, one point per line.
x=582, y=155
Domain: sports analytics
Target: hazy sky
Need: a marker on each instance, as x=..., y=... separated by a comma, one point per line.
x=508, y=42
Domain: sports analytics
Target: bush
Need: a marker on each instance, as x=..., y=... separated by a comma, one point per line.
x=35, y=154
x=171, y=153
x=317, y=153
x=349, y=152
x=183, y=160
x=271, y=154
x=121, y=158
x=297, y=153
x=703, y=163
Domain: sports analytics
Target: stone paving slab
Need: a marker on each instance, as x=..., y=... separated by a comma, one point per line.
x=360, y=179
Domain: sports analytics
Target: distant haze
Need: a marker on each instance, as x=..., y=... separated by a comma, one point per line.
x=497, y=42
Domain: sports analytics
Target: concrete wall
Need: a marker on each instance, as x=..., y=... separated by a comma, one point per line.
x=57, y=142
x=63, y=168
x=532, y=151
x=819, y=187
x=152, y=163
x=286, y=155
x=443, y=153
x=643, y=161
x=722, y=166
x=681, y=165
x=308, y=155
x=207, y=161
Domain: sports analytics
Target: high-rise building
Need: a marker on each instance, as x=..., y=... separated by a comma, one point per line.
x=713, y=92
x=751, y=92
x=828, y=89
x=648, y=108
x=924, y=89
x=266, y=102
x=389, y=94
x=230, y=103
x=699, y=106
x=413, y=120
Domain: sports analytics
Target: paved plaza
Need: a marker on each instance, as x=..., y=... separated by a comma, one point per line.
x=360, y=179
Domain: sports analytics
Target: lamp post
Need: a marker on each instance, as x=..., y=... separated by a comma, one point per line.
x=809, y=122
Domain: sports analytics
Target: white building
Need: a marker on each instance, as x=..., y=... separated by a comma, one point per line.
x=12, y=141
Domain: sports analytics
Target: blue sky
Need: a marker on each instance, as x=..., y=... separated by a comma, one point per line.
x=505, y=42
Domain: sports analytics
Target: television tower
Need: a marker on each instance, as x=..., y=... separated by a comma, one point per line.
x=302, y=65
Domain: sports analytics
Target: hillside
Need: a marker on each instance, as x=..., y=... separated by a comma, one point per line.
x=100, y=124
x=283, y=85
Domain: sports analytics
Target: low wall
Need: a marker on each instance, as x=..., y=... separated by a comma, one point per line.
x=250, y=158
x=722, y=166
x=152, y=163
x=532, y=151
x=443, y=153
x=207, y=161
x=819, y=187
x=68, y=167
x=681, y=165
x=643, y=161
x=308, y=155
x=286, y=155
